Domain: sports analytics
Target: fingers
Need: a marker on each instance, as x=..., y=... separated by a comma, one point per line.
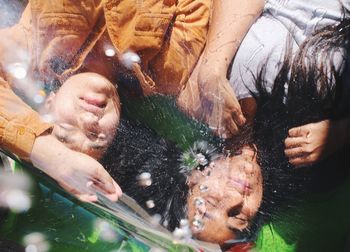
x=86, y=197
x=237, y=114
x=103, y=180
x=303, y=160
x=292, y=142
x=232, y=128
x=93, y=188
x=295, y=152
x=301, y=131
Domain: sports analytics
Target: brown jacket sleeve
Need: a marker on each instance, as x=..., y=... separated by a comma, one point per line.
x=19, y=123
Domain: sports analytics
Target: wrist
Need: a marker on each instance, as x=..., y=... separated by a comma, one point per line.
x=215, y=62
x=45, y=149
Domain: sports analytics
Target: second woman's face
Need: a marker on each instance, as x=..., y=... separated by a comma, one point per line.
x=86, y=113
x=224, y=198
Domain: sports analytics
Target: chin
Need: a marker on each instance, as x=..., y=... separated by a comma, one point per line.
x=217, y=239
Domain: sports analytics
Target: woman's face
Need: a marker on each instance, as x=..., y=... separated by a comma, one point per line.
x=224, y=198
x=86, y=113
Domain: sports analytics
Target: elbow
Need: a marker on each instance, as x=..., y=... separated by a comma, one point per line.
x=259, y=7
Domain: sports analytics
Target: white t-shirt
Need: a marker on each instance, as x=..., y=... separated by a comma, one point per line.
x=265, y=44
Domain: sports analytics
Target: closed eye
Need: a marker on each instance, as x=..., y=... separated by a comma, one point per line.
x=212, y=202
x=234, y=211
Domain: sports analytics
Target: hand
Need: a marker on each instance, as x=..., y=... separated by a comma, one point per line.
x=311, y=143
x=76, y=172
x=220, y=107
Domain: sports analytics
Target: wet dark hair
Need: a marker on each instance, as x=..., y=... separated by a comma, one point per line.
x=315, y=91
x=138, y=149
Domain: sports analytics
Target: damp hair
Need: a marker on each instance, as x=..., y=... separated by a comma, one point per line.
x=138, y=149
x=315, y=92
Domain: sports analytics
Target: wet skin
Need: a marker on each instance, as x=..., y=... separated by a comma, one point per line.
x=86, y=113
x=224, y=198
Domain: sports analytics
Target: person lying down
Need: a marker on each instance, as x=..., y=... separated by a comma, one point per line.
x=218, y=195
x=222, y=196
x=86, y=112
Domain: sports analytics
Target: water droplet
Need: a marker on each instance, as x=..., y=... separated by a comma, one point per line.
x=178, y=233
x=48, y=118
x=110, y=52
x=38, y=99
x=144, y=179
x=107, y=233
x=165, y=223
x=17, y=200
x=150, y=204
x=18, y=70
x=198, y=202
x=203, y=188
x=155, y=219
x=129, y=58
x=201, y=159
x=31, y=248
x=197, y=224
x=184, y=223
x=145, y=175
x=36, y=242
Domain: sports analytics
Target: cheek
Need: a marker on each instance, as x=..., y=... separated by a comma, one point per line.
x=252, y=204
x=65, y=112
x=216, y=231
x=109, y=123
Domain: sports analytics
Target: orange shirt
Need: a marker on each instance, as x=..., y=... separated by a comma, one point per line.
x=168, y=35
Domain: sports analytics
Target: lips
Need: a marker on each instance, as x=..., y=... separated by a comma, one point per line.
x=93, y=104
x=242, y=186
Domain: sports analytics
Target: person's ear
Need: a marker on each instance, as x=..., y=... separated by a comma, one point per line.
x=48, y=105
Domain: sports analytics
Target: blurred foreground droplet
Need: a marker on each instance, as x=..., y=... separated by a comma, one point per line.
x=144, y=179
x=48, y=118
x=18, y=70
x=197, y=224
x=155, y=219
x=183, y=232
x=107, y=233
x=36, y=242
x=129, y=58
x=110, y=52
x=14, y=191
x=17, y=200
x=150, y=204
x=39, y=97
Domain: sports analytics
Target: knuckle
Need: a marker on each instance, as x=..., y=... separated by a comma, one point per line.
x=308, y=149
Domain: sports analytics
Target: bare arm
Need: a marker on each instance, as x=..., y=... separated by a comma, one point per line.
x=208, y=94
x=230, y=22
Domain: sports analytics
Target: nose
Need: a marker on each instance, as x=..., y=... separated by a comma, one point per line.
x=215, y=190
x=89, y=121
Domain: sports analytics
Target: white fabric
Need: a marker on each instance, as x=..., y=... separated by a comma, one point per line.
x=265, y=43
